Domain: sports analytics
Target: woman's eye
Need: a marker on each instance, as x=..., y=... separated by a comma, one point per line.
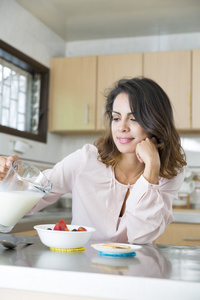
x=115, y=119
x=134, y=120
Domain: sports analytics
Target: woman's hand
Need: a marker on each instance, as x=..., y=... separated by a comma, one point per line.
x=147, y=153
x=5, y=163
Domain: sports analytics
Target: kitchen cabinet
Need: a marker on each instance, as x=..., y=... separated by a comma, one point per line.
x=195, y=89
x=185, y=234
x=72, y=94
x=110, y=69
x=172, y=70
x=78, y=85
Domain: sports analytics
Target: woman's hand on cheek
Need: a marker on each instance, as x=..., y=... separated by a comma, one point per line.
x=147, y=153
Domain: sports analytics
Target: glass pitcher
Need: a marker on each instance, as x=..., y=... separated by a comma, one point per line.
x=23, y=186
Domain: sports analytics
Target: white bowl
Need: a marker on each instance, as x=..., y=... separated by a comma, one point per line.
x=63, y=239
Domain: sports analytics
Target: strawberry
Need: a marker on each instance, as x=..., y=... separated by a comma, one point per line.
x=82, y=229
x=62, y=222
x=61, y=225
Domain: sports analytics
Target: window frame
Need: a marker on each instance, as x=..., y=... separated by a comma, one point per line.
x=26, y=63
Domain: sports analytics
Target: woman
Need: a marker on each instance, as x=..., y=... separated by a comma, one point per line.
x=125, y=183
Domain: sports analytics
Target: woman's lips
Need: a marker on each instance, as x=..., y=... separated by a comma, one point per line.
x=124, y=140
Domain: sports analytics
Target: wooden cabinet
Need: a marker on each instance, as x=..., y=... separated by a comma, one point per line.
x=196, y=89
x=78, y=84
x=110, y=69
x=185, y=234
x=172, y=70
x=72, y=94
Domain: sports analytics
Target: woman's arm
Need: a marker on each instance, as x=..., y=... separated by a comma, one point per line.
x=62, y=176
x=149, y=208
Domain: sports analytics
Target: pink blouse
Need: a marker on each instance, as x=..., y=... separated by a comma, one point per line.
x=97, y=199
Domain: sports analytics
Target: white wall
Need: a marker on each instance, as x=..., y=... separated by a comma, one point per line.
x=182, y=41
x=24, y=32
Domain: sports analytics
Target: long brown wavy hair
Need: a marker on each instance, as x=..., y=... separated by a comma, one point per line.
x=152, y=109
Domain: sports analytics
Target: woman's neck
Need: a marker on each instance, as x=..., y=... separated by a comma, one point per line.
x=128, y=169
x=129, y=163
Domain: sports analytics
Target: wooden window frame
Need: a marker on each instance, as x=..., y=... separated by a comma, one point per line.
x=26, y=63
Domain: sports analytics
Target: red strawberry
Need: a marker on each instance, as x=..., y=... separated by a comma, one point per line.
x=61, y=225
x=82, y=229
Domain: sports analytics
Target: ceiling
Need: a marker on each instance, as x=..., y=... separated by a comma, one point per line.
x=76, y=20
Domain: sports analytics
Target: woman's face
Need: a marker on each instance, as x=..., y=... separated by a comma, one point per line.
x=126, y=132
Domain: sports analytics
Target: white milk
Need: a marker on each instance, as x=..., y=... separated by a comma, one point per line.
x=14, y=205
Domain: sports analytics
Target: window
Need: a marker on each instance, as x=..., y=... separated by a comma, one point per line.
x=23, y=95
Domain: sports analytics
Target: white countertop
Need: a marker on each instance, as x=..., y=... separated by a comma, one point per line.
x=156, y=272
x=96, y=285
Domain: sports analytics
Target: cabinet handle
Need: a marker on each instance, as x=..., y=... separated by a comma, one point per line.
x=86, y=113
x=191, y=239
